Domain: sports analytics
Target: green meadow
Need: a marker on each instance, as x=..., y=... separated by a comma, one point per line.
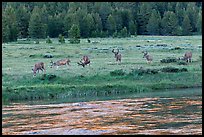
x=104, y=76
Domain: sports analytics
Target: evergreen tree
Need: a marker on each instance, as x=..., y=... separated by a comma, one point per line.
x=111, y=25
x=87, y=26
x=74, y=34
x=153, y=25
x=179, y=11
x=199, y=23
x=70, y=19
x=118, y=19
x=97, y=25
x=144, y=14
x=186, y=26
x=169, y=24
x=132, y=27
x=104, y=11
x=10, y=24
x=22, y=17
x=94, y=20
x=192, y=11
x=123, y=32
x=37, y=28
x=5, y=28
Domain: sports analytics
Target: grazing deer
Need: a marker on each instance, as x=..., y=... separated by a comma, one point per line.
x=60, y=62
x=187, y=56
x=38, y=66
x=147, y=56
x=117, y=55
x=84, y=61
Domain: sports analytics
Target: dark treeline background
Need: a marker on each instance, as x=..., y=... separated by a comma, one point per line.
x=99, y=19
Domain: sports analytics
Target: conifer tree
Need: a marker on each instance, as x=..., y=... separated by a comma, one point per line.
x=74, y=34
x=37, y=28
x=153, y=25
x=186, y=26
x=111, y=25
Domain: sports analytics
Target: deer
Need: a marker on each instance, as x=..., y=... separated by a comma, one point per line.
x=60, y=62
x=118, y=56
x=38, y=66
x=148, y=57
x=187, y=56
x=84, y=61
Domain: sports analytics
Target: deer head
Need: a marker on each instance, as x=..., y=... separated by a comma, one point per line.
x=145, y=53
x=116, y=53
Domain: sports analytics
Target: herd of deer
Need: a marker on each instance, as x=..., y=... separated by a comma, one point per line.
x=85, y=61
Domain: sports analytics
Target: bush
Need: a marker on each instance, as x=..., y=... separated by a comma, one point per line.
x=74, y=41
x=61, y=38
x=169, y=69
x=182, y=63
x=48, y=40
x=169, y=60
x=177, y=48
x=37, y=42
x=143, y=71
x=119, y=72
x=173, y=69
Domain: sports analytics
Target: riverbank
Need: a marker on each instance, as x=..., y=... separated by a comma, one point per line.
x=107, y=85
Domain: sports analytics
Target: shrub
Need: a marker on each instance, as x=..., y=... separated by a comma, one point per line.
x=177, y=48
x=143, y=71
x=37, y=42
x=119, y=72
x=48, y=40
x=169, y=60
x=74, y=41
x=61, y=38
x=182, y=63
x=169, y=69
x=173, y=69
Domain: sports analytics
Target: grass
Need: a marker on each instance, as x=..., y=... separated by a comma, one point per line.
x=104, y=76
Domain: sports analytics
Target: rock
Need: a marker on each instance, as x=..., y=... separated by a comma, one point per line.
x=48, y=56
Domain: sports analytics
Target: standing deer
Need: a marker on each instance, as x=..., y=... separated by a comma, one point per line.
x=60, y=62
x=38, y=66
x=187, y=56
x=117, y=55
x=84, y=61
x=148, y=57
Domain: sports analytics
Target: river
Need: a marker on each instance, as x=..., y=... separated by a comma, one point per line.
x=170, y=112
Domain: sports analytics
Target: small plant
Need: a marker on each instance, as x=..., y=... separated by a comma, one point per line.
x=49, y=41
x=37, y=42
x=142, y=71
x=177, y=48
x=182, y=63
x=169, y=60
x=173, y=69
x=119, y=72
x=61, y=39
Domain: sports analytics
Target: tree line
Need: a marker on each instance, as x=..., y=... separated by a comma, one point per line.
x=99, y=19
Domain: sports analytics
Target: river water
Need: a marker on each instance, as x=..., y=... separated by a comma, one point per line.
x=171, y=112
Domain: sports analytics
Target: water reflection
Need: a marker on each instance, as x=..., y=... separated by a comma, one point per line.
x=146, y=115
